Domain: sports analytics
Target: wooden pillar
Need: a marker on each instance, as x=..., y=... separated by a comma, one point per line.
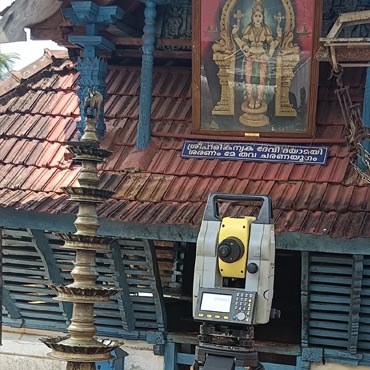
x=143, y=128
x=93, y=69
x=366, y=117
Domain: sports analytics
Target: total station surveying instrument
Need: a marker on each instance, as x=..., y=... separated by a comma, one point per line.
x=233, y=283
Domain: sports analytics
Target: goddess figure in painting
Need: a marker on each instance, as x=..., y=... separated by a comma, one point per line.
x=257, y=45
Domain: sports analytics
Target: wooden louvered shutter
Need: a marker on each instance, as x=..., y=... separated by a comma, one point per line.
x=28, y=300
x=331, y=297
x=364, y=319
x=1, y=284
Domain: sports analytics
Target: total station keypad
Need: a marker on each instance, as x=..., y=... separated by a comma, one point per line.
x=244, y=303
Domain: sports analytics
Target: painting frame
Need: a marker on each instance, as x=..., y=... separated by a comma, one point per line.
x=249, y=127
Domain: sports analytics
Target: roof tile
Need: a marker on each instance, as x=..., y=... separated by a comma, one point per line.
x=298, y=172
x=204, y=187
x=228, y=169
x=312, y=222
x=33, y=177
x=184, y=213
x=154, y=188
x=290, y=220
x=273, y=171
x=119, y=153
x=365, y=226
x=233, y=186
x=181, y=188
x=131, y=186
x=246, y=169
x=259, y=187
x=202, y=166
x=309, y=196
x=336, y=197
x=9, y=124
x=283, y=194
x=61, y=179
x=347, y=225
x=157, y=185
x=164, y=161
x=110, y=181
x=359, y=199
x=311, y=173
x=334, y=170
x=115, y=209
x=123, y=81
x=317, y=222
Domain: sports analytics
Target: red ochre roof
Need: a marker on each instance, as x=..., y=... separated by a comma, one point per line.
x=38, y=112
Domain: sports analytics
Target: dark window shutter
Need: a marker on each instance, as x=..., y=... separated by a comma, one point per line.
x=364, y=325
x=329, y=300
x=1, y=285
x=338, y=302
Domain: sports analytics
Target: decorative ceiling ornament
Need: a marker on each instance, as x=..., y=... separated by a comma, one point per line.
x=175, y=22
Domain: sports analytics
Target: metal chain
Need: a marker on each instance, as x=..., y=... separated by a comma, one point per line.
x=364, y=176
x=355, y=132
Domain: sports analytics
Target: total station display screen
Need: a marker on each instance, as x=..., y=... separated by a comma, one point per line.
x=216, y=302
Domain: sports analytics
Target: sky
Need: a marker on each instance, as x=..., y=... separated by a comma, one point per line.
x=28, y=51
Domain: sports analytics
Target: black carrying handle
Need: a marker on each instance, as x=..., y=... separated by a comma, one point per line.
x=211, y=212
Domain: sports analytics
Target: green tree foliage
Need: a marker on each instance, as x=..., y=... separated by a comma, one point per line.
x=6, y=63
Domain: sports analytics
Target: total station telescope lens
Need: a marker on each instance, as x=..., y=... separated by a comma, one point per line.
x=230, y=250
x=224, y=250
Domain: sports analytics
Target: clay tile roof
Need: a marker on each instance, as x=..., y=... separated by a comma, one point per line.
x=38, y=113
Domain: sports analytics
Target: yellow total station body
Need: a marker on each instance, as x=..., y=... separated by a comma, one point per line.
x=233, y=242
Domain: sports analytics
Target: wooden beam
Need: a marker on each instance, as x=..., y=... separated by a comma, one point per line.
x=136, y=41
x=345, y=52
x=158, y=54
x=321, y=243
x=64, y=223
x=10, y=306
x=41, y=244
x=156, y=284
x=292, y=241
x=127, y=311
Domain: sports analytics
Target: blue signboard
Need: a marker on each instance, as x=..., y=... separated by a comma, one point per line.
x=255, y=152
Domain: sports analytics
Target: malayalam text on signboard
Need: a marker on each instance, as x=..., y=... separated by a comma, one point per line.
x=255, y=152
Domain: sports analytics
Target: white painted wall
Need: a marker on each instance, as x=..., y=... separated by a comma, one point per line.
x=23, y=351
x=338, y=367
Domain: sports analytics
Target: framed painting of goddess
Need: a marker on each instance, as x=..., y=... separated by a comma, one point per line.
x=254, y=71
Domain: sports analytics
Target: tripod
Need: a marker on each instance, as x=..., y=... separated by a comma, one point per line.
x=222, y=347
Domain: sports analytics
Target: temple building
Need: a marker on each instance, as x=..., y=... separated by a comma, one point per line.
x=262, y=97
